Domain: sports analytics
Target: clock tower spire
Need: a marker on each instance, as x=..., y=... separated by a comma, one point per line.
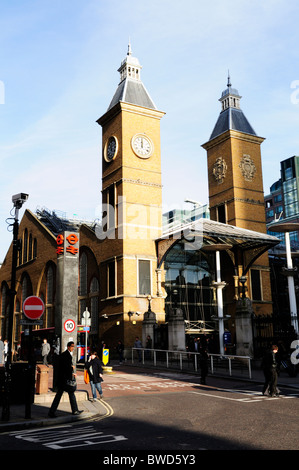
x=131, y=199
x=236, y=195
x=235, y=177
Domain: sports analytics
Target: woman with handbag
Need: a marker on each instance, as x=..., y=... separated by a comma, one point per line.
x=95, y=373
x=66, y=381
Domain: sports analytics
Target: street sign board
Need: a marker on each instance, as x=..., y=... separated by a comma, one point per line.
x=33, y=307
x=28, y=322
x=81, y=328
x=105, y=358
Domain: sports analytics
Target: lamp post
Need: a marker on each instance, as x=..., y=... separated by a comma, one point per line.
x=18, y=200
x=219, y=285
x=286, y=228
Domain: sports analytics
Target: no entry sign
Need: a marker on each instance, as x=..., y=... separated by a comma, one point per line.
x=33, y=307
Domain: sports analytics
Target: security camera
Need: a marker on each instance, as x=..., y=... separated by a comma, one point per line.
x=19, y=199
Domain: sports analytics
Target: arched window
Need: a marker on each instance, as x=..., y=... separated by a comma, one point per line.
x=88, y=289
x=20, y=251
x=25, y=250
x=50, y=285
x=30, y=247
x=34, y=248
x=49, y=302
x=94, y=305
x=4, y=303
x=83, y=274
x=26, y=287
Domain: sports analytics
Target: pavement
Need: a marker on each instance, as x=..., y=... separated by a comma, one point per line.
x=101, y=409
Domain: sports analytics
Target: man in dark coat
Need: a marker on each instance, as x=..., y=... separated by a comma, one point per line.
x=270, y=367
x=65, y=373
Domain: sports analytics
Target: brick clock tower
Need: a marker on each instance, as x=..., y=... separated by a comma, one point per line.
x=236, y=195
x=132, y=205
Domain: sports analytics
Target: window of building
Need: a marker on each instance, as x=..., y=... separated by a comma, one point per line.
x=49, y=317
x=221, y=213
x=94, y=305
x=256, y=289
x=83, y=274
x=4, y=310
x=288, y=173
x=30, y=247
x=270, y=213
x=20, y=251
x=25, y=251
x=34, y=248
x=144, y=277
x=111, y=284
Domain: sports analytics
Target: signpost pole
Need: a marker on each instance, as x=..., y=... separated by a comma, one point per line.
x=28, y=384
x=33, y=309
x=86, y=323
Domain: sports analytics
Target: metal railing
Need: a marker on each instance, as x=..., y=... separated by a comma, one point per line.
x=190, y=361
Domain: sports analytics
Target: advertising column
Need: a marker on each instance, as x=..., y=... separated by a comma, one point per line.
x=66, y=313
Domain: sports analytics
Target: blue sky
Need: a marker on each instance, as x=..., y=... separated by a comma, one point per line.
x=58, y=73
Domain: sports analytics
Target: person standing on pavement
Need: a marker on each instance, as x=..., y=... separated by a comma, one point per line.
x=65, y=373
x=203, y=363
x=138, y=345
x=45, y=352
x=120, y=349
x=270, y=368
x=95, y=372
x=148, y=347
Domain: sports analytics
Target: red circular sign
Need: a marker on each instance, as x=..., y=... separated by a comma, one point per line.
x=69, y=326
x=33, y=307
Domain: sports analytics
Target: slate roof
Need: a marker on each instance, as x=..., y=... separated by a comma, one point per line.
x=232, y=119
x=57, y=224
x=134, y=92
x=224, y=233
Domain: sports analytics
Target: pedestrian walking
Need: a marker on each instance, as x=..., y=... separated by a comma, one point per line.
x=45, y=352
x=270, y=367
x=148, y=347
x=95, y=372
x=138, y=345
x=120, y=349
x=203, y=363
x=65, y=376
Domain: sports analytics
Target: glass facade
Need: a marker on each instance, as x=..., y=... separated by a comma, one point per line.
x=289, y=175
x=188, y=283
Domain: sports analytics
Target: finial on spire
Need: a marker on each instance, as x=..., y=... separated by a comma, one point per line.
x=129, y=48
x=228, y=80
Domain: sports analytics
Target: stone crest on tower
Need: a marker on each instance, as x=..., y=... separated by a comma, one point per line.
x=248, y=167
x=219, y=170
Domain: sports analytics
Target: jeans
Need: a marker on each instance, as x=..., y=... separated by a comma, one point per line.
x=96, y=387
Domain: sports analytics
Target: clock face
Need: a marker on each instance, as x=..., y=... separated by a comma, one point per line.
x=111, y=149
x=142, y=146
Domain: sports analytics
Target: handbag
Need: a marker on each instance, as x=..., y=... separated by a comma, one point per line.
x=86, y=376
x=71, y=385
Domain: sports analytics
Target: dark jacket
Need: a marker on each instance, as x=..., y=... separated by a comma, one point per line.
x=94, y=368
x=65, y=368
x=270, y=362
